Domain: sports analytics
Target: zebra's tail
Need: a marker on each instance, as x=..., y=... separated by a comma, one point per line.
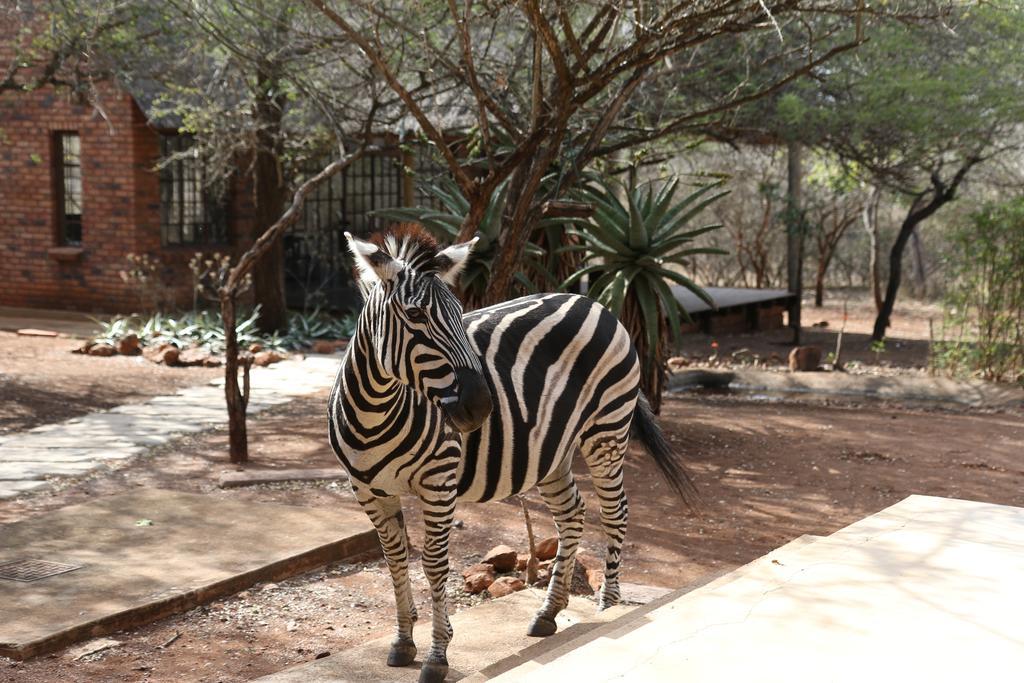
x=646, y=430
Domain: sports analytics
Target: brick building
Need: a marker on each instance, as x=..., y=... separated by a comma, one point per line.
x=80, y=191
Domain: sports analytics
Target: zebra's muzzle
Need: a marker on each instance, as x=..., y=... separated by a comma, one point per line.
x=468, y=409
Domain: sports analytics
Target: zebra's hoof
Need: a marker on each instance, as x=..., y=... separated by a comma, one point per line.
x=433, y=672
x=542, y=627
x=403, y=653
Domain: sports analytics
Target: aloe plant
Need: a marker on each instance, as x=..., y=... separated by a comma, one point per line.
x=634, y=249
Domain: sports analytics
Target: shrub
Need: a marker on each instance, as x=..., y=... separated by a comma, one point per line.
x=206, y=329
x=983, y=327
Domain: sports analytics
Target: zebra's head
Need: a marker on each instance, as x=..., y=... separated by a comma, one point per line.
x=414, y=321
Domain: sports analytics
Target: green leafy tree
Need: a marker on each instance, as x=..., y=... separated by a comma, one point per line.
x=535, y=85
x=634, y=248
x=984, y=318
x=919, y=108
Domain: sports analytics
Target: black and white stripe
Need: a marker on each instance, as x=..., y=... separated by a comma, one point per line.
x=481, y=407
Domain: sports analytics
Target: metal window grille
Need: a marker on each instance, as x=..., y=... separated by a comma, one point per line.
x=68, y=158
x=316, y=269
x=191, y=212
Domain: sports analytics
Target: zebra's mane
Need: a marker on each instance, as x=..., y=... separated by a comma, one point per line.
x=410, y=243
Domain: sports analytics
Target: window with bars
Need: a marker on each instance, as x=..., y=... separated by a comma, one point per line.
x=68, y=176
x=191, y=212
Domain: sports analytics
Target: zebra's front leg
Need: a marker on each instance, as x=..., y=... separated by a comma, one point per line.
x=438, y=514
x=386, y=515
x=566, y=505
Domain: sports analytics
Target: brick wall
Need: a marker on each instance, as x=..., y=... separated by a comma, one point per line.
x=120, y=212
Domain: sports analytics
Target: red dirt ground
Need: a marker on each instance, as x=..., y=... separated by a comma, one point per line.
x=42, y=382
x=767, y=473
x=906, y=346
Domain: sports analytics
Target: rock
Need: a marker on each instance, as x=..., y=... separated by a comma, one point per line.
x=580, y=584
x=677, y=362
x=194, y=355
x=506, y=585
x=255, y=348
x=522, y=561
x=479, y=582
x=265, y=358
x=329, y=345
x=804, y=359
x=163, y=353
x=102, y=350
x=169, y=356
x=213, y=361
x=476, y=569
x=92, y=647
x=547, y=549
x=128, y=345
x=84, y=348
x=820, y=323
x=595, y=577
x=502, y=558
x=543, y=574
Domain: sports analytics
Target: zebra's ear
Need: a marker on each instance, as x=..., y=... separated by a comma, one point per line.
x=374, y=263
x=451, y=261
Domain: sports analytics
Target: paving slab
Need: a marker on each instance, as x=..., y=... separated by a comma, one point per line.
x=484, y=634
x=123, y=432
x=196, y=549
x=928, y=589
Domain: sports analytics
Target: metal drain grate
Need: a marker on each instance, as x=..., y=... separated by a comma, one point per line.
x=33, y=570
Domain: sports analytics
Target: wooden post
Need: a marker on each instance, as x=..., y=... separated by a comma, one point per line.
x=794, y=235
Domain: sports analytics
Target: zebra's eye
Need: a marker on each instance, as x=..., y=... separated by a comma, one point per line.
x=416, y=315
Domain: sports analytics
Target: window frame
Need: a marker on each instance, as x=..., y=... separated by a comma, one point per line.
x=190, y=216
x=59, y=167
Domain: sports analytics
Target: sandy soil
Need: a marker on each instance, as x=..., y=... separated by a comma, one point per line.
x=767, y=473
x=42, y=382
x=905, y=349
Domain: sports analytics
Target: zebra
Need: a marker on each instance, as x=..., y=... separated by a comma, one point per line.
x=478, y=407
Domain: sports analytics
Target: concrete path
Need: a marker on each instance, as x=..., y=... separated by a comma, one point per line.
x=78, y=446
x=926, y=590
x=484, y=635
x=147, y=554
x=68, y=323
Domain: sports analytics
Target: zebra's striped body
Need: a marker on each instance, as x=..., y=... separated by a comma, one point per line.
x=561, y=374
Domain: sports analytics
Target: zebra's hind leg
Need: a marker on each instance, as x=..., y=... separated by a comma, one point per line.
x=566, y=505
x=604, y=458
x=386, y=515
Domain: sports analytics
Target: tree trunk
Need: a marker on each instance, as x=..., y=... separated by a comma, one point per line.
x=941, y=194
x=895, y=276
x=819, y=284
x=270, y=197
x=237, y=399
x=518, y=225
x=870, y=218
x=919, y=266
x=794, y=236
